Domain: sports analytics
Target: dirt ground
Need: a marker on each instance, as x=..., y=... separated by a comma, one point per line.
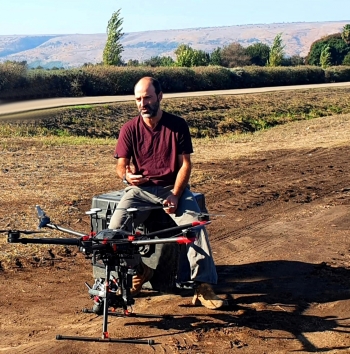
x=281, y=250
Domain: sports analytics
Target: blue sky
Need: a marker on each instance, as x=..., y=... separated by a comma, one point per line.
x=91, y=16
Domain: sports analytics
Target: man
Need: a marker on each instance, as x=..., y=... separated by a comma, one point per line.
x=158, y=144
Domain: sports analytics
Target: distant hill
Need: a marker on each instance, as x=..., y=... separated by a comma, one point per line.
x=73, y=50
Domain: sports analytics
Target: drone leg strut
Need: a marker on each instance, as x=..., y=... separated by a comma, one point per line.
x=109, y=340
x=105, y=333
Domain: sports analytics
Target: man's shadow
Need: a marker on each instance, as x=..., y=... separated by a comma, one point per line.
x=273, y=295
x=285, y=289
x=285, y=282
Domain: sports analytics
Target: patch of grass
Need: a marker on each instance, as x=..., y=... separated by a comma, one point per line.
x=83, y=106
x=207, y=116
x=10, y=143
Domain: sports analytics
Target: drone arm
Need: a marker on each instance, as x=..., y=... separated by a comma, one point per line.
x=45, y=241
x=46, y=222
x=178, y=228
x=63, y=229
x=180, y=240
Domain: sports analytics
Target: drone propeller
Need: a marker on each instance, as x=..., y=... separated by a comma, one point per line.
x=202, y=214
x=26, y=232
x=145, y=208
x=40, y=212
x=155, y=207
x=130, y=209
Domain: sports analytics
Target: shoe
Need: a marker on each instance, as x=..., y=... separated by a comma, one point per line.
x=204, y=294
x=143, y=275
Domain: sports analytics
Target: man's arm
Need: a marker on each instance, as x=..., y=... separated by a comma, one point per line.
x=183, y=176
x=181, y=182
x=122, y=162
x=124, y=170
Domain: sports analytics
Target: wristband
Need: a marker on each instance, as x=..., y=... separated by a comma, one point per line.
x=125, y=180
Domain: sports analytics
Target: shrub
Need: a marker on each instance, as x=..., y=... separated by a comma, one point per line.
x=11, y=76
x=337, y=74
x=215, y=78
x=255, y=76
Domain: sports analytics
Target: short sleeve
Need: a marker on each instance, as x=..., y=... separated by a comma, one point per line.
x=124, y=144
x=184, y=141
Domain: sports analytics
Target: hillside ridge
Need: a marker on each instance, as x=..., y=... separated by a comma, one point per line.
x=73, y=50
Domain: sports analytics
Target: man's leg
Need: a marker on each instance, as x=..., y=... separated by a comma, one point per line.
x=199, y=255
x=134, y=197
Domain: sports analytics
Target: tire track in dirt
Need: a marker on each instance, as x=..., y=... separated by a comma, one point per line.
x=290, y=192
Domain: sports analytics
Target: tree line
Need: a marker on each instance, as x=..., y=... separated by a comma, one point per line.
x=327, y=51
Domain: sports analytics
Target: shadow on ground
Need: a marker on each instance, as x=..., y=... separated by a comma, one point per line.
x=270, y=296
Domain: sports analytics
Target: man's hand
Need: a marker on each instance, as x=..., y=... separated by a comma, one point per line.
x=171, y=203
x=132, y=179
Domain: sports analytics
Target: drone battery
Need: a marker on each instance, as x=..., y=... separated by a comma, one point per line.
x=165, y=259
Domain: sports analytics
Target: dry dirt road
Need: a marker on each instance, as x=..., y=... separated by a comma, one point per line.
x=8, y=110
x=282, y=249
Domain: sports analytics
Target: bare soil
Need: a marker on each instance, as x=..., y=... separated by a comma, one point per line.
x=281, y=249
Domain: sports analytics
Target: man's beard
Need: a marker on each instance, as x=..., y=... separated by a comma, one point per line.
x=152, y=110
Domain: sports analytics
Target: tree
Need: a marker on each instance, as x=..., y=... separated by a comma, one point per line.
x=200, y=58
x=187, y=56
x=167, y=61
x=113, y=49
x=133, y=62
x=215, y=57
x=153, y=62
x=346, y=60
x=294, y=60
x=276, y=51
x=183, y=55
x=234, y=55
x=338, y=48
x=159, y=61
x=258, y=53
x=346, y=34
x=326, y=57
x=297, y=60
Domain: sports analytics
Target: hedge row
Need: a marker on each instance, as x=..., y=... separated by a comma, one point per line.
x=18, y=83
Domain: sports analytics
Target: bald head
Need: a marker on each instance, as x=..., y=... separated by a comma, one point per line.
x=148, y=95
x=147, y=82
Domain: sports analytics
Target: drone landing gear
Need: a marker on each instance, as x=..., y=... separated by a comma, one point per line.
x=105, y=295
x=106, y=339
x=105, y=336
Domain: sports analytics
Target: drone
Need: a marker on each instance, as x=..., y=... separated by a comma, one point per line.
x=110, y=249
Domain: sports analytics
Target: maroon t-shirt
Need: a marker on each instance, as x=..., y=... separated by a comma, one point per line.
x=154, y=152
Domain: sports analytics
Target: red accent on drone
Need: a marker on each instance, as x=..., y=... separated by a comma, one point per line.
x=198, y=223
x=184, y=240
x=131, y=238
